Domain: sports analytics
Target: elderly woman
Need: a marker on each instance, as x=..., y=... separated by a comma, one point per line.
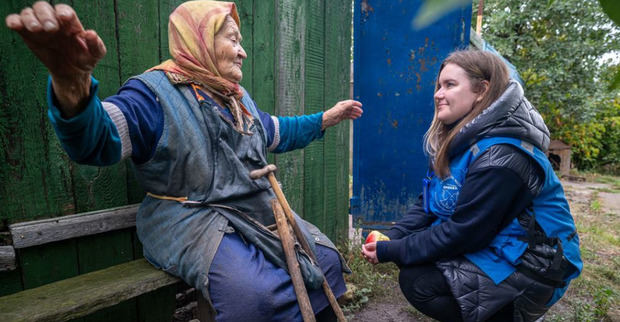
x=193, y=135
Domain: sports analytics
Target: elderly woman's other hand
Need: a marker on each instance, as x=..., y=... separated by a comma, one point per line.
x=343, y=110
x=70, y=53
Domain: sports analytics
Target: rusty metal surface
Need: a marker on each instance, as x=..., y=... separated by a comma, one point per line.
x=395, y=67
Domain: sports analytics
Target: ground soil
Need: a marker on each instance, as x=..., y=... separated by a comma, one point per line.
x=393, y=307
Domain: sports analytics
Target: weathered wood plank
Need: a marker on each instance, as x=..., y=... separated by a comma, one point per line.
x=136, y=245
x=7, y=258
x=99, y=187
x=337, y=78
x=101, y=251
x=290, y=53
x=48, y=263
x=34, y=172
x=263, y=90
x=314, y=95
x=84, y=294
x=343, y=17
x=54, y=229
x=245, y=8
x=165, y=9
x=263, y=51
x=105, y=250
x=138, y=36
x=10, y=282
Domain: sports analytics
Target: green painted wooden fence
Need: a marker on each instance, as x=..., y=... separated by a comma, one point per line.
x=298, y=62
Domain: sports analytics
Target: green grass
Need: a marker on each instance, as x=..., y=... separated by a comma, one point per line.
x=608, y=190
x=594, y=295
x=368, y=280
x=601, y=178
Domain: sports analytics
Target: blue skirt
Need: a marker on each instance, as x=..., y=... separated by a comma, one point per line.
x=244, y=286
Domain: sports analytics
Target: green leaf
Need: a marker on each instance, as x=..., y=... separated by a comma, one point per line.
x=612, y=9
x=564, y=52
x=615, y=84
x=432, y=10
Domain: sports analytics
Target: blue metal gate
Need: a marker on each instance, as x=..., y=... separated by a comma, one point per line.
x=395, y=67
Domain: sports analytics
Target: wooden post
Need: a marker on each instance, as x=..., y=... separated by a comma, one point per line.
x=479, y=18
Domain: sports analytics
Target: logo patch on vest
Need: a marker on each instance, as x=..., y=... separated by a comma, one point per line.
x=448, y=194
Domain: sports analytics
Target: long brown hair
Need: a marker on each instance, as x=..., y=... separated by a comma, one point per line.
x=479, y=66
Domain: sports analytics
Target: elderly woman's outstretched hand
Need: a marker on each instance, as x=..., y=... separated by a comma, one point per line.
x=343, y=110
x=70, y=53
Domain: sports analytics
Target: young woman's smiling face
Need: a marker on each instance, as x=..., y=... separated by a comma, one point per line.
x=229, y=54
x=454, y=97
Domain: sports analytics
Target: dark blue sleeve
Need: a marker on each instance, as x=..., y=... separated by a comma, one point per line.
x=484, y=205
x=93, y=138
x=144, y=117
x=89, y=137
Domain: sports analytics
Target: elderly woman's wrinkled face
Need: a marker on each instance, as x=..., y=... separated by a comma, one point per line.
x=229, y=54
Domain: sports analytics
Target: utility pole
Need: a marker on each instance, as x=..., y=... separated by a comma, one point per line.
x=479, y=20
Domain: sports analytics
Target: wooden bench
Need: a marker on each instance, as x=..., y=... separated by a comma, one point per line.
x=83, y=294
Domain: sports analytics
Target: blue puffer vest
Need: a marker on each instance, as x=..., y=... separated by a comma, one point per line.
x=550, y=207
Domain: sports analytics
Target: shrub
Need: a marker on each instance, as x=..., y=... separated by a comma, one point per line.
x=594, y=143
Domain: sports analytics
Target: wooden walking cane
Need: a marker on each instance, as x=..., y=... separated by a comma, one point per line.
x=288, y=245
x=268, y=170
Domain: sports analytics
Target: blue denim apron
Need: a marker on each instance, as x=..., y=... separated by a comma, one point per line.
x=201, y=157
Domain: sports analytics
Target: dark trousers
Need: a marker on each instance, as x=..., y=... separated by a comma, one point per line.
x=426, y=289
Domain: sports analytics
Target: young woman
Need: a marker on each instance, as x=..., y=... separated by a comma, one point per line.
x=491, y=237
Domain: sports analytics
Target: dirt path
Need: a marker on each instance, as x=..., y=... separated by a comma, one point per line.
x=393, y=307
x=581, y=192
